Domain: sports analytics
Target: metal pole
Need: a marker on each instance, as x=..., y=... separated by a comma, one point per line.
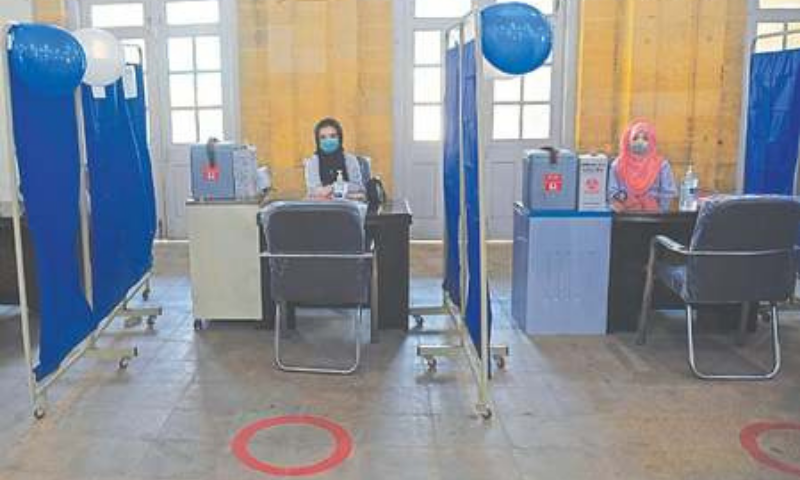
x=86, y=249
x=483, y=382
x=462, y=203
x=11, y=161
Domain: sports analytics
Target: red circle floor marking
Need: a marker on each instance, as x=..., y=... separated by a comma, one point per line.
x=343, y=445
x=749, y=440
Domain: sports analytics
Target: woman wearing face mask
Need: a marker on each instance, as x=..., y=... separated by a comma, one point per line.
x=640, y=179
x=323, y=167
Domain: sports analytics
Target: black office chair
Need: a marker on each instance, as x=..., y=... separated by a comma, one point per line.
x=742, y=251
x=318, y=258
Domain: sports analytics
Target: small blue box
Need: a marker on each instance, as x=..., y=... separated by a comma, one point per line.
x=550, y=180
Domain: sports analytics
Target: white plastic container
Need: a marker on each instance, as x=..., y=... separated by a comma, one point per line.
x=592, y=182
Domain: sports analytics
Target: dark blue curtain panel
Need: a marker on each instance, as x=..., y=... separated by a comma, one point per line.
x=773, y=123
x=137, y=112
x=45, y=135
x=452, y=175
x=472, y=184
x=121, y=237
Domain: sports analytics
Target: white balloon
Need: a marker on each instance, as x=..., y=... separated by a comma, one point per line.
x=105, y=57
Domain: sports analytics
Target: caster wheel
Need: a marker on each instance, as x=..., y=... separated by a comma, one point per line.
x=151, y=321
x=500, y=361
x=419, y=321
x=135, y=352
x=39, y=413
x=486, y=413
x=146, y=295
x=124, y=362
x=431, y=361
x=198, y=324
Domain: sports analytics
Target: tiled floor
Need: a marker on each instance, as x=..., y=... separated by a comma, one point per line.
x=567, y=408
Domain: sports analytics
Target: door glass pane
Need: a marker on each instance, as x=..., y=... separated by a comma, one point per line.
x=441, y=8
x=184, y=129
x=793, y=40
x=506, y=122
x=181, y=90
x=536, y=121
x=180, y=54
x=507, y=89
x=118, y=15
x=207, y=51
x=427, y=48
x=769, y=44
x=427, y=122
x=537, y=85
x=779, y=4
x=544, y=6
x=427, y=84
x=192, y=12
x=209, y=90
x=210, y=124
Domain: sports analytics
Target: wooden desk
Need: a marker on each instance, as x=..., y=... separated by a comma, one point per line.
x=630, y=249
x=389, y=228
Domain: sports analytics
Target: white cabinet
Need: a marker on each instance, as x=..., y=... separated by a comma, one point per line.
x=224, y=260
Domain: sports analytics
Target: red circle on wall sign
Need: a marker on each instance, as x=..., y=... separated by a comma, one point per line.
x=342, y=448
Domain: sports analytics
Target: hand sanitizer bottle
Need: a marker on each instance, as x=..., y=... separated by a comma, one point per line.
x=688, y=199
x=340, y=187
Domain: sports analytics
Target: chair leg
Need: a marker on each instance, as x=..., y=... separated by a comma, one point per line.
x=301, y=369
x=742, y=332
x=776, y=352
x=647, y=297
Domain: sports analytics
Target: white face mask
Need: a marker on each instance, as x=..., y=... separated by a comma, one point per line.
x=640, y=147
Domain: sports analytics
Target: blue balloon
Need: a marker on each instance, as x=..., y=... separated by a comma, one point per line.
x=47, y=59
x=516, y=37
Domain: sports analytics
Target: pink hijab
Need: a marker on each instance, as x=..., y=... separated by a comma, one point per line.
x=638, y=172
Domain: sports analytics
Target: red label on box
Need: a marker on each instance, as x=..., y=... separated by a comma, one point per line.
x=592, y=185
x=211, y=173
x=553, y=182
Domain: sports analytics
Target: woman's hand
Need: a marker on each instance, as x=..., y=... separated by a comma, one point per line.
x=323, y=193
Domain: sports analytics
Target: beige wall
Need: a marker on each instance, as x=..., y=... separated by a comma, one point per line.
x=302, y=60
x=675, y=62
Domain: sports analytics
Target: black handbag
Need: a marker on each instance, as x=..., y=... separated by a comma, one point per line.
x=376, y=194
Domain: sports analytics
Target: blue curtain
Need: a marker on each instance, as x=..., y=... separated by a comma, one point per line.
x=452, y=175
x=45, y=135
x=773, y=123
x=122, y=215
x=472, y=185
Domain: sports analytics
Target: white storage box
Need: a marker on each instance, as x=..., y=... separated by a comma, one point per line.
x=592, y=182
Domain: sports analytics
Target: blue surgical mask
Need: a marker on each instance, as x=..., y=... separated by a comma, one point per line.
x=639, y=147
x=329, y=145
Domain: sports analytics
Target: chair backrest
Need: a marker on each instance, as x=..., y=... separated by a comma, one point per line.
x=310, y=228
x=760, y=232
x=366, y=168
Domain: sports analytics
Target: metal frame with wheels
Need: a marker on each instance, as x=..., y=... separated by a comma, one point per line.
x=38, y=388
x=674, y=248
x=479, y=356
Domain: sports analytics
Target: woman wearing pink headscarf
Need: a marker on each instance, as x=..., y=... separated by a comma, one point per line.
x=640, y=179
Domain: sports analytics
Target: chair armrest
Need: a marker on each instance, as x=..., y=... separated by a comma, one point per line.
x=669, y=244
